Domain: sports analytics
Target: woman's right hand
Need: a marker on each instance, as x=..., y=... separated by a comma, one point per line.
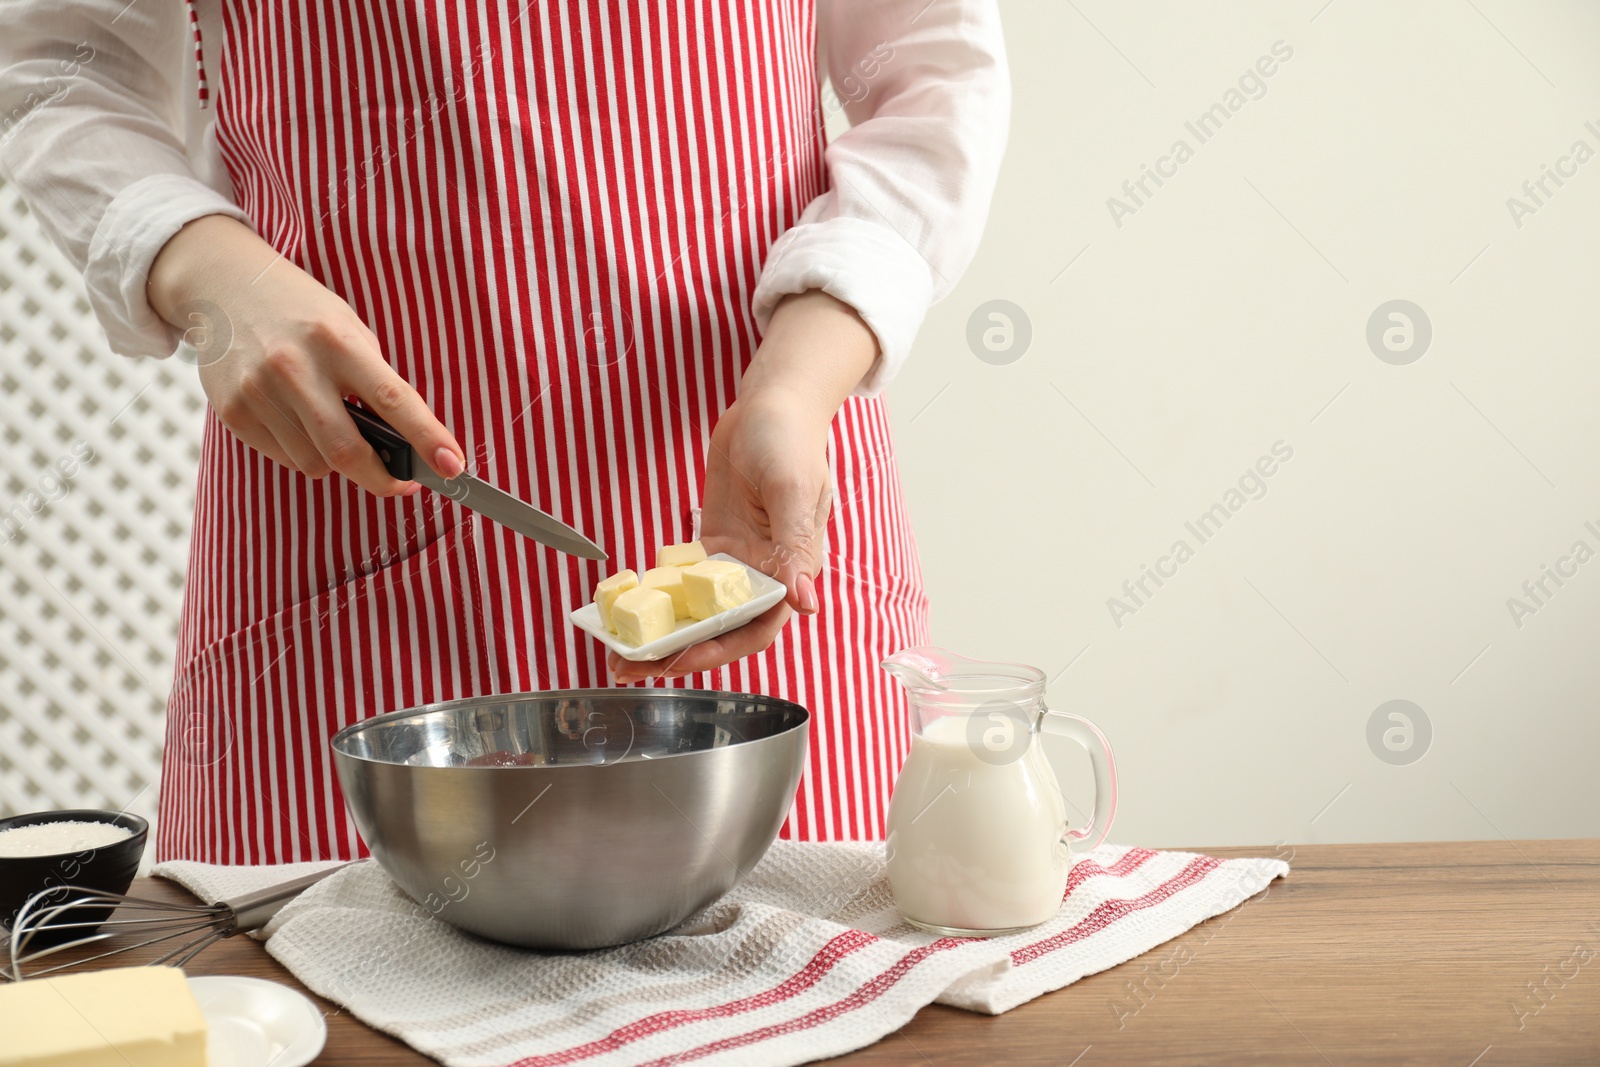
x=279, y=353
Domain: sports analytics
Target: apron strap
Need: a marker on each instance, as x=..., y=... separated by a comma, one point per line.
x=199, y=57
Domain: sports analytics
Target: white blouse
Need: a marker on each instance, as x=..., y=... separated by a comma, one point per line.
x=101, y=130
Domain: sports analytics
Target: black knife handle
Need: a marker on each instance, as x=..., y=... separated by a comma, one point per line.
x=393, y=449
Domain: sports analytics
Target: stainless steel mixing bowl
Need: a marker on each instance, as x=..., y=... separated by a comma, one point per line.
x=576, y=818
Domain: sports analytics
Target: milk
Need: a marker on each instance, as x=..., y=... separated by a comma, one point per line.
x=974, y=846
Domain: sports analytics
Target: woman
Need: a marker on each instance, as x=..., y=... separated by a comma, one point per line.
x=599, y=254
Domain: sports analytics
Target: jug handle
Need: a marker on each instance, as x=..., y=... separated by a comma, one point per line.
x=1087, y=734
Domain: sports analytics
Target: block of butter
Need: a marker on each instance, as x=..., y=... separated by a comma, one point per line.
x=670, y=581
x=714, y=586
x=680, y=555
x=124, y=1017
x=642, y=615
x=606, y=593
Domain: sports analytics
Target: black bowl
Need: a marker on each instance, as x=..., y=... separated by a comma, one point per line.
x=109, y=868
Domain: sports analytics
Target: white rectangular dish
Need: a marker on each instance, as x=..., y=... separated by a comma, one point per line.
x=767, y=593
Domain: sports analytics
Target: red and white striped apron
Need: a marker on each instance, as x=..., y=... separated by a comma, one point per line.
x=553, y=214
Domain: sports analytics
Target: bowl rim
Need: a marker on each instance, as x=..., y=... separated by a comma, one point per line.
x=341, y=737
x=137, y=823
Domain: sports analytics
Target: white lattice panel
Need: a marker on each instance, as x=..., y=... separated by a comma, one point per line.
x=96, y=490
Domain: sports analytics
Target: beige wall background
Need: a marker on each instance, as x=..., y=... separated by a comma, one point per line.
x=1229, y=312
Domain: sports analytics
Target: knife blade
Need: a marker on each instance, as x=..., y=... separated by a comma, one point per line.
x=402, y=461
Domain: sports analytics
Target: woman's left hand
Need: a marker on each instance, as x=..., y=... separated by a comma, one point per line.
x=767, y=496
x=768, y=489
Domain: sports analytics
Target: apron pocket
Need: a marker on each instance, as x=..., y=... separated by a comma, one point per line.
x=401, y=582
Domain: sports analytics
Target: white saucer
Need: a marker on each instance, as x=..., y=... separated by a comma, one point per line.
x=768, y=591
x=254, y=1022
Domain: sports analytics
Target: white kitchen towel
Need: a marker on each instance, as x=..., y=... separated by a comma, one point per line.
x=804, y=959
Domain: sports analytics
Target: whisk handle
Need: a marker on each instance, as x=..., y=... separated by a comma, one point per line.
x=252, y=911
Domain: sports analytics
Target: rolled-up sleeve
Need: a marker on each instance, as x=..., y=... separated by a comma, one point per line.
x=95, y=131
x=926, y=89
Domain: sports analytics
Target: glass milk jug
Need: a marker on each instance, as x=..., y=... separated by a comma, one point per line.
x=978, y=839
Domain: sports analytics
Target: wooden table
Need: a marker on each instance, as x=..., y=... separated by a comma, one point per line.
x=1367, y=954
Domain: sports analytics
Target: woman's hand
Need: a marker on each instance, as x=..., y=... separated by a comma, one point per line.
x=278, y=354
x=768, y=488
x=767, y=495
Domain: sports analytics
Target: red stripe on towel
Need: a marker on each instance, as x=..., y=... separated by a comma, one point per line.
x=1096, y=921
x=841, y=946
x=1112, y=910
x=809, y=975
x=860, y=998
x=1084, y=870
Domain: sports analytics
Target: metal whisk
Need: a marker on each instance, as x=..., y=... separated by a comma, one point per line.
x=193, y=926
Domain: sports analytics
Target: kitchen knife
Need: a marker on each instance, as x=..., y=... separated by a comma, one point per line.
x=402, y=461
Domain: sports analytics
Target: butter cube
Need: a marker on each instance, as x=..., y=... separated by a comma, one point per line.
x=124, y=1017
x=670, y=581
x=680, y=555
x=641, y=615
x=714, y=586
x=606, y=593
